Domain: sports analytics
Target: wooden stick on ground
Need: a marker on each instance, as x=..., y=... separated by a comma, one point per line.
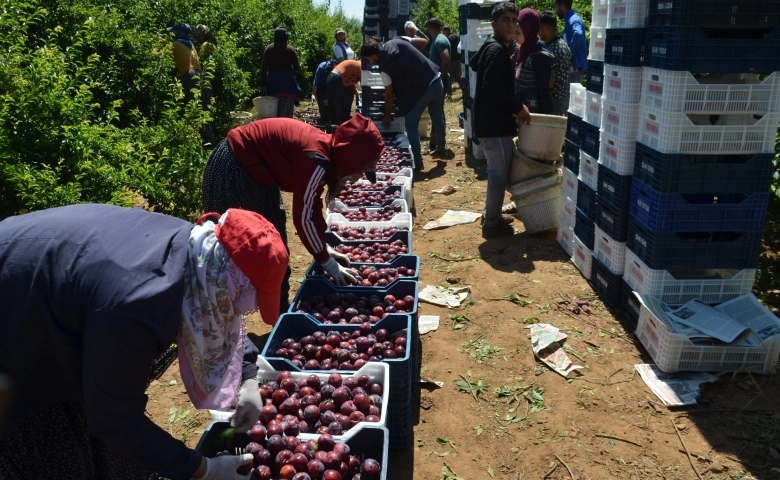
x=687, y=452
x=551, y=471
x=571, y=474
x=618, y=438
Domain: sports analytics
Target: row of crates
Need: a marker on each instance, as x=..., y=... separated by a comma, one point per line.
x=750, y=14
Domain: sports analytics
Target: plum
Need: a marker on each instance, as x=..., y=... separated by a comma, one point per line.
x=370, y=469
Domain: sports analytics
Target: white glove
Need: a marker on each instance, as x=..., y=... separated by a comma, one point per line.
x=339, y=257
x=342, y=275
x=248, y=408
x=224, y=467
x=313, y=99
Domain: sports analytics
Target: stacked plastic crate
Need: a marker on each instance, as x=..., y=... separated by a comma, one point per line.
x=371, y=101
x=371, y=17
x=710, y=106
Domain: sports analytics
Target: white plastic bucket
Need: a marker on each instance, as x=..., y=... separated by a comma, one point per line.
x=543, y=138
x=267, y=107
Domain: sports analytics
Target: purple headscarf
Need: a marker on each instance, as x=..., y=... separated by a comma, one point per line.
x=529, y=23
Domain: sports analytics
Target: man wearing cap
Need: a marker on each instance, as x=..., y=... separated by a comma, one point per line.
x=94, y=298
x=416, y=35
x=440, y=56
x=341, y=49
x=251, y=167
x=187, y=62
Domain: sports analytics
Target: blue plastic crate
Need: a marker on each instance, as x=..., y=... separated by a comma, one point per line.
x=629, y=307
x=715, y=13
x=334, y=240
x=584, y=229
x=613, y=187
x=590, y=139
x=400, y=418
x=586, y=200
x=573, y=127
x=725, y=51
x=612, y=219
x=571, y=156
x=693, y=250
x=409, y=261
x=698, y=212
x=461, y=119
x=607, y=284
x=684, y=173
x=319, y=287
x=625, y=47
x=595, y=76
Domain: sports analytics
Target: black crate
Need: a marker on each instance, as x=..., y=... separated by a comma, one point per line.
x=612, y=219
x=625, y=47
x=630, y=307
x=586, y=200
x=716, y=51
x=595, y=77
x=476, y=11
x=613, y=187
x=693, y=250
x=590, y=139
x=571, y=156
x=715, y=13
x=608, y=285
x=584, y=228
x=573, y=127
x=685, y=173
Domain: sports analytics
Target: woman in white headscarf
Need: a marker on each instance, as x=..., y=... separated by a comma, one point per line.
x=93, y=298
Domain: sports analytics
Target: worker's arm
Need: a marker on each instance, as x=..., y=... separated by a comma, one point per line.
x=445, y=61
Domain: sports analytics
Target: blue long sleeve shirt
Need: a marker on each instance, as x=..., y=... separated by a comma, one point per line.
x=574, y=34
x=91, y=296
x=319, y=75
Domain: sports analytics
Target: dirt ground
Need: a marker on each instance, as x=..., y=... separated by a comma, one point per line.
x=522, y=421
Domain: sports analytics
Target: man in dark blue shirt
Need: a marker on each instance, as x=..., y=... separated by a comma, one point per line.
x=574, y=34
x=319, y=91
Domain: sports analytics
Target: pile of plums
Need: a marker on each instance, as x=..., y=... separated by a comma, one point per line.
x=344, y=308
x=366, y=186
x=383, y=214
x=376, y=253
x=344, y=351
x=392, y=156
x=289, y=458
x=388, y=168
x=308, y=406
x=375, y=277
x=361, y=233
x=354, y=198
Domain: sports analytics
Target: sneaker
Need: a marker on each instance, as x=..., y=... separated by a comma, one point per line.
x=500, y=230
x=509, y=208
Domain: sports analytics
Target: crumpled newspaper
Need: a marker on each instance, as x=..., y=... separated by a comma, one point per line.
x=547, y=344
x=451, y=218
x=444, y=296
x=427, y=323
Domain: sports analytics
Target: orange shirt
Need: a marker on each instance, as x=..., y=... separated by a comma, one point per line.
x=349, y=71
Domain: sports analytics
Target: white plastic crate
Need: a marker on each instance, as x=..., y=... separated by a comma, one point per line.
x=617, y=154
x=397, y=124
x=338, y=206
x=565, y=238
x=403, y=7
x=480, y=2
x=598, y=43
x=619, y=119
x=370, y=79
x=593, y=104
x=371, y=16
x=401, y=220
x=675, y=288
x=577, y=95
x=589, y=171
x=392, y=34
x=600, y=13
x=627, y=13
x=566, y=215
x=582, y=257
x=472, y=83
x=611, y=252
x=622, y=84
x=389, y=177
x=477, y=32
x=570, y=183
x=674, y=352
x=477, y=151
x=377, y=372
x=670, y=132
x=675, y=91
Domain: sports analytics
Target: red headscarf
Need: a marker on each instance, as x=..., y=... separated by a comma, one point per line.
x=529, y=23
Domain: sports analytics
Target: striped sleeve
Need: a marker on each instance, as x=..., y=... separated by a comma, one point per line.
x=307, y=213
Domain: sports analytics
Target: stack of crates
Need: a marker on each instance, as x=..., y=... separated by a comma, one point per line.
x=371, y=18
x=371, y=101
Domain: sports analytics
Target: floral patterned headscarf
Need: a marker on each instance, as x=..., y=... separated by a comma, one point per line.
x=212, y=334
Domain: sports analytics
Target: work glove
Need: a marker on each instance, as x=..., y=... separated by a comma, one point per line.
x=339, y=257
x=341, y=275
x=248, y=407
x=313, y=99
x=224, y=467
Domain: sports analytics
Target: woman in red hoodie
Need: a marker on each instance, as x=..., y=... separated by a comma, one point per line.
x=251, y=167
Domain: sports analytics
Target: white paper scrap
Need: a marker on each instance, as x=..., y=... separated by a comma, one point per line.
x=444, y=296
x=428, y=323
x=452, y=218
x=674, y=389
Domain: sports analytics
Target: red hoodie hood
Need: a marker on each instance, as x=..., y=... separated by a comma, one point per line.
x=357, y=143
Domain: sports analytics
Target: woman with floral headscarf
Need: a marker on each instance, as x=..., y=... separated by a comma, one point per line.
x=277, y=72
x=256, y=161
x=93, y=298
x=534, y=64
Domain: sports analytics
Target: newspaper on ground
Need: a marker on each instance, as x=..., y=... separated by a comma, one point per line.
x=449, y=297
x=452, y=218
x=674, y=389
x=428, y=323
x=743, y=321
x=547, y=344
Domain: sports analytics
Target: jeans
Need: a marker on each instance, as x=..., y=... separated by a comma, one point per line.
x=560, y=106
x=446, y=83
x=433, y=98
x=498, y=151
